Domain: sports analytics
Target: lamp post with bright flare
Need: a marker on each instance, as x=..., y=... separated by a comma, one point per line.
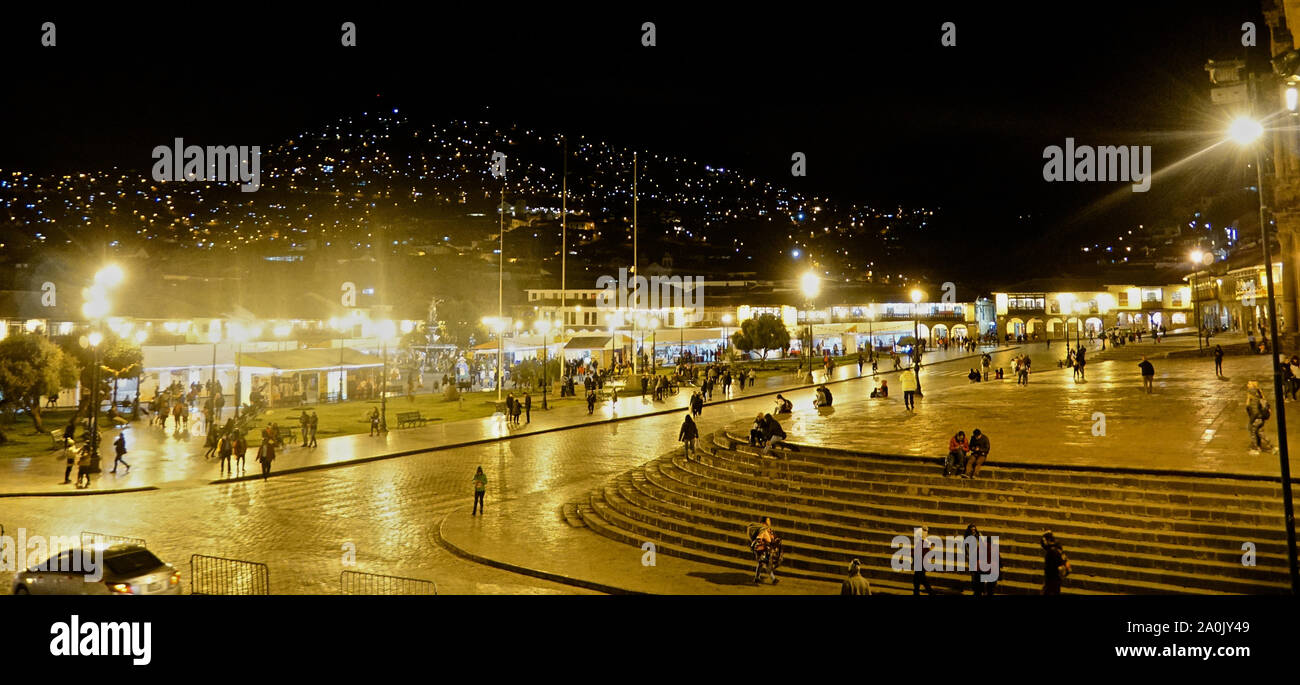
x=916, y=337
x=811, y=285
x=544, y=327
x=96, y=308
x=387, y=331
x=726, y=342
x=1246, y=132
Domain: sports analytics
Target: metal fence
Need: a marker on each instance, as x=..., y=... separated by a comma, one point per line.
x=91, y=538
x=358, y=583
x=219, y=576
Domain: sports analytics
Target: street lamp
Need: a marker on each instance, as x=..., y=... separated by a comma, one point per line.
x=1246, y=131
x=811, y=284
x=544, y=327
x=1198, y=258
x=239, y=334
x=498, y=324
x=1080, y=308
x=916, y=337
x=654, y=328
x=726, y=342
x=387, y=331
x=95, y=308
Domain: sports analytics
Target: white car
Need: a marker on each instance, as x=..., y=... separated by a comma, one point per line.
x=127, y=570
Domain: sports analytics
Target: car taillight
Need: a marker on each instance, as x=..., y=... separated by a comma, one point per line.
x=119, y=588
x=176, y=578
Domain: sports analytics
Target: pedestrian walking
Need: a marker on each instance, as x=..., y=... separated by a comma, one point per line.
x=266, y=455
x=480, y=491
x=688, y=434
x=1055, y=564
x=240, y=448
x=374, y=422
x=919, y=579
x=119, y=451
x=1218, y=361
x=908, y=381
x=528, y=408
x=70, y=461
x=976, y=542
x=304, y=427
x=856, y=584
x=861, y=362
x=83, y=467
x=591, y=402
x=315, y=422
x=697, y=404
x=1258, y=411
x=1148, y=374
x=225, y=450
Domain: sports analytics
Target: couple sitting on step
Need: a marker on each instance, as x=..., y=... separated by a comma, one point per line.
x=766, y=432
x=966, y=458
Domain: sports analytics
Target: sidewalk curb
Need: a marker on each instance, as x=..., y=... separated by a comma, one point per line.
x=553, y=429
x=79, y=493
x=483, y=441
x=524, y=570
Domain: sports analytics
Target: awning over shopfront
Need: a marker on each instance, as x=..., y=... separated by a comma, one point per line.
x=311, y=359
x=588, y=342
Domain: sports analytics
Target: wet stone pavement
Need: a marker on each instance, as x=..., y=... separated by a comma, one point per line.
x=394, y=510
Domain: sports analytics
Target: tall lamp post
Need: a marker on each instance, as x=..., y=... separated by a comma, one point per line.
x=387, y=330
x=1080, y=308
x=916, y=337
x=543, y=326
x=1198, y=258
x=96, y=308
x=726, y=342
x=239, y=334
x=654, y=329
x=811, y=284
x=498, y=324
x=1247, y=132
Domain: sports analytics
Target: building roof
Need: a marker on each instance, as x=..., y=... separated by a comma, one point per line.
x=305, y=360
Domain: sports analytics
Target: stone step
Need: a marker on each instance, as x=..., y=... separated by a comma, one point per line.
x=832, y=529
x=927, y=508
x=605, y=521
x=797, y=563
x=703, y=518
x=569, y=512
x=884, y=476
x=995, y=471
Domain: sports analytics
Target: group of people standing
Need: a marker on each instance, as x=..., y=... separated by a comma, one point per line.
x=516, y=408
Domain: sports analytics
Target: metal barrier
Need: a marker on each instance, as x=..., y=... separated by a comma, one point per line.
x=218, y=576
x=91, y=538
x=358, y=583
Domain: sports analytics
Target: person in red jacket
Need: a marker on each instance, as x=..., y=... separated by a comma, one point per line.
x=957, y=449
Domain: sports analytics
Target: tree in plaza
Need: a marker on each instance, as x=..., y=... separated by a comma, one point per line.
x=459, y=322
x=763, y=333
x=32, y=368
x=118, y=358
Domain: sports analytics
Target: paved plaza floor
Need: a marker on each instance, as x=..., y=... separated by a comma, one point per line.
x=164, y=458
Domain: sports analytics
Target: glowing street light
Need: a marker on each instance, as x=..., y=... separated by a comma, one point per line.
x=387, y=332
x=543, y=326
x=917, y=296
x=811, y=284
x=1245, y=131
x=726, y=341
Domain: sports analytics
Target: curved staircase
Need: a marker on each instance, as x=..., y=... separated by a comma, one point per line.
x=1125, y=532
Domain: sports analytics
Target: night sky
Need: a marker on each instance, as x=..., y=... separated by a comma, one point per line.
x=885, y=114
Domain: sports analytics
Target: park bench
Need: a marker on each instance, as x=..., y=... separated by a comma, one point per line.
x=410, y=418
